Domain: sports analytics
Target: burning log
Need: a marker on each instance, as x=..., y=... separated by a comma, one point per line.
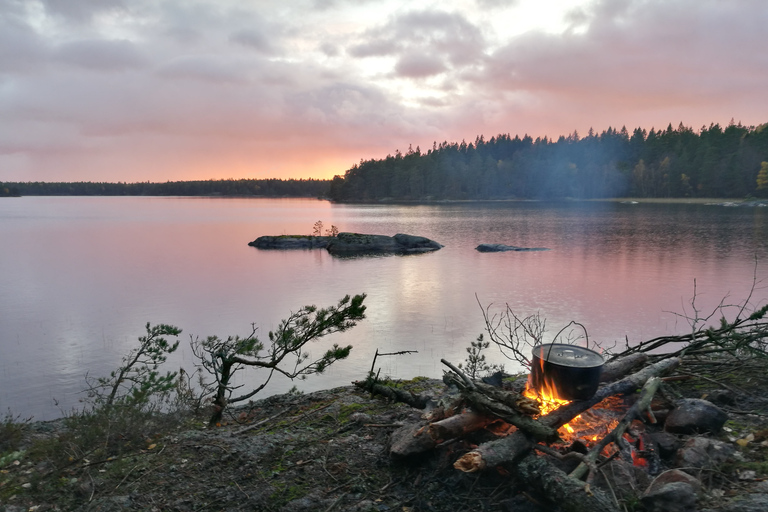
x=512, y=447
x=506, y=405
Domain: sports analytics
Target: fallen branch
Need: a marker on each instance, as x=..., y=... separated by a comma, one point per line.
x=394, y=394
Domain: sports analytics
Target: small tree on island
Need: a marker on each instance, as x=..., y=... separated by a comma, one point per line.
x=285, y=354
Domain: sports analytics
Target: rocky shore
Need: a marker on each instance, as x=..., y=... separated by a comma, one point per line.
x=330, y=451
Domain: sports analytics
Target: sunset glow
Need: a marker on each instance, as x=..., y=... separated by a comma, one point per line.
x=172, y=90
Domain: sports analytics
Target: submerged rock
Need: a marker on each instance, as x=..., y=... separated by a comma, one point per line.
x=504, y=248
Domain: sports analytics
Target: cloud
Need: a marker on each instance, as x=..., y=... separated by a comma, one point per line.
x=254, y=39
x=638, y=56
x=423, y=43
x=100, y=54
x=81, y=10
x=419, y=66
x=171, y=89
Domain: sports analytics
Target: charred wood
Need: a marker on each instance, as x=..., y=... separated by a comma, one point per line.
x=570, y=494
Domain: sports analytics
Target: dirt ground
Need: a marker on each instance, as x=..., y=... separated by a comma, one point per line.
x=328, y=451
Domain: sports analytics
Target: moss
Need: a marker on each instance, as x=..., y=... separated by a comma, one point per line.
x=347, y=410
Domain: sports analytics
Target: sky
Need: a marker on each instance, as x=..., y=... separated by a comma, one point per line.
x=167, y=90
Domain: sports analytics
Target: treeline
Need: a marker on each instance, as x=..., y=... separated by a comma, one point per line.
x=713, y=162
x=231, y=187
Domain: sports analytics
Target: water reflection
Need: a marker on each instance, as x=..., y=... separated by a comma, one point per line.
x=82, y=276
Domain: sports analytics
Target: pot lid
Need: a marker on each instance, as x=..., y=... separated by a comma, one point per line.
x=568, y=355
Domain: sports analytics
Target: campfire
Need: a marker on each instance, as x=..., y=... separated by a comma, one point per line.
x=536, y=424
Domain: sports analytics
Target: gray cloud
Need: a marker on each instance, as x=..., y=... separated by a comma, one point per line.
x=254, y=39
x=181, y=90
x=447, y=37
x=82, y=10
x=100, y=54
x=419, y=66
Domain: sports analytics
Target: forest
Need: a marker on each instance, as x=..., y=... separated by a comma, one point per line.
x=713, y=162
x=730, y=162
x=231, y=187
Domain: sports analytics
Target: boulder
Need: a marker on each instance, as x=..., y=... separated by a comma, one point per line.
x=504, y=248
x=693, y=415
x=348, y=244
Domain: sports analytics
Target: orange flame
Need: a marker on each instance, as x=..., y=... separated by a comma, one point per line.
x=548, y=400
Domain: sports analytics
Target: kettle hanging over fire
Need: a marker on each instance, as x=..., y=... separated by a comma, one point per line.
x=568, y=372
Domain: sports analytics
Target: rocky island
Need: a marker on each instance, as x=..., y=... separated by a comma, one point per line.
x=349, y=244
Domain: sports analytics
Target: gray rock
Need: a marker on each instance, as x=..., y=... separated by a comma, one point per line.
x=667, y=443
x=624, y=479
x=674, y=475
x=671, y=497
x=348, y=244
x=291, y=242
x=757, y=502
x=702, y=452
x=505, y=248
x=694, y=415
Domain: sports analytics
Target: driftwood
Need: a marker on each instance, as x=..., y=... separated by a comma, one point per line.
x=518, y=443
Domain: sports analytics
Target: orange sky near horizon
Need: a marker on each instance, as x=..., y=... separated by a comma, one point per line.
x=167, y=90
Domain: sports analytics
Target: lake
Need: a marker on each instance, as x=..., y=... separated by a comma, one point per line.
x=81, y=276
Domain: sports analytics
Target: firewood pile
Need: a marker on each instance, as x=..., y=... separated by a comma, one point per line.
x=629, y=440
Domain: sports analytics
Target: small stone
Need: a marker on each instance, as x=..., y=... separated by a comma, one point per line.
x=671, y=497
x=693, y=416
x=626, y=480
x=667, y=443
x=674, y=475
x=702, y=452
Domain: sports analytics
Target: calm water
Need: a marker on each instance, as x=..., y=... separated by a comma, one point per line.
x=82, y=276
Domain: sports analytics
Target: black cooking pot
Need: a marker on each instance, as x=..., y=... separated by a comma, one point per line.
x=573, y=371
